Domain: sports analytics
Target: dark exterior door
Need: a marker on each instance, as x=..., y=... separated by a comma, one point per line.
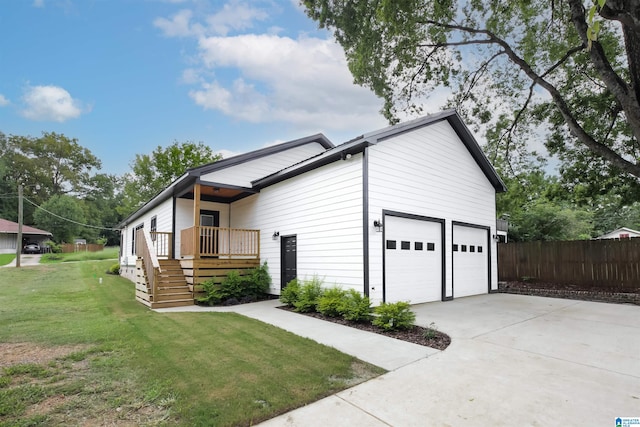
x=208, y=239
x=288, y=260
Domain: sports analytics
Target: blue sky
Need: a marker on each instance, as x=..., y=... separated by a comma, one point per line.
x=126, y=76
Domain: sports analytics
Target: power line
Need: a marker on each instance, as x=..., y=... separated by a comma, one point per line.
x=70, y=220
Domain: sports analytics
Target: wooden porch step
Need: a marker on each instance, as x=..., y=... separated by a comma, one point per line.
x=172, y=303
x=172, y=296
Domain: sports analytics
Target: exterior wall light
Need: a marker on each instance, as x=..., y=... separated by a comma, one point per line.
x=275, y=236
x=378, y=225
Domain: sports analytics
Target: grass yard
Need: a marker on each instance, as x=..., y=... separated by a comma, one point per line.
x=74, y=352
x=6, y=258
x=110, y=252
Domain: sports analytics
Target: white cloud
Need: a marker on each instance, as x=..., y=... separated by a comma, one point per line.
x=229, y=153
x=3, y=101
x=179, y=25
x=303, y=81
x=38, y=3
x=262, y=76
x=50, y=103
x=234, y=16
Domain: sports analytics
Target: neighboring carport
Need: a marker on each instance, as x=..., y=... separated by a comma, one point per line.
x=9, y=236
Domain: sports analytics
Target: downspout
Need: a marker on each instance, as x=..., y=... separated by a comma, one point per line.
x=365, y=220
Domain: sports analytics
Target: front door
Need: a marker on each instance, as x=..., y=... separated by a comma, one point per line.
x=288, y=260
x=208, y=237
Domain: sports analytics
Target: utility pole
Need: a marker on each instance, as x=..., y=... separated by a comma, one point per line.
x=19, y=240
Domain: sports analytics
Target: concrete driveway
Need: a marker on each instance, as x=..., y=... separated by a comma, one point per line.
x=514, y=360
x=26, y=260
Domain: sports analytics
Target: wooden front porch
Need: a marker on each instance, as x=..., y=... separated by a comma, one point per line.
x=205, y=253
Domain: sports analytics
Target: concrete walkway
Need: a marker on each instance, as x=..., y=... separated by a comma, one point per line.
x=514, y=360
x=26, y=260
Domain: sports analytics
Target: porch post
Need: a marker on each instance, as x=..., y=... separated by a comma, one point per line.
x=196, y=220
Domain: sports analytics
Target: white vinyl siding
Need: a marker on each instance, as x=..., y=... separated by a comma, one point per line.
x=8, y=243
x=243, y=174
x=428, y=172
x=164, y=217
x=323, y=208
x=184, y=216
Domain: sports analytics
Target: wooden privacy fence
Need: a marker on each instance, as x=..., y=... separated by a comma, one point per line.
x=606, y=263
x=91, y=247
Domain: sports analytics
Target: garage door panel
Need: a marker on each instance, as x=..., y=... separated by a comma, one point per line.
x=413, y=260
x=470, y=261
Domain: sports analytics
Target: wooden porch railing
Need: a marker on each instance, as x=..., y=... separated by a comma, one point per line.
x=162, y=243
x=144, y=246
x=220, y=242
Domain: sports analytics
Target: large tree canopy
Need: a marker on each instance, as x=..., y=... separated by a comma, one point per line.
x=151, y=173
x=518, y=67
x=49, y=165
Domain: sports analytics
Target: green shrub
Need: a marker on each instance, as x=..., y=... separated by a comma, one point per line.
x=211, y=293
x=114, y=269
x=310, y=292
x=236, y=288
x=51, y=257
x=55, y=247
x=289, y=295
x=394, y=316
x=258, y=281
x=355, y=307
x=330, y=301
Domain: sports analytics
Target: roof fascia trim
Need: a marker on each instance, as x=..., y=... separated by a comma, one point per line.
x=263, y=152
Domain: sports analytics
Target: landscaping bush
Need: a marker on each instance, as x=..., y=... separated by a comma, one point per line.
x=51, y=257
x=258, y=281
x=55, y=247
x=289, y=295
x=310, y=292
x=236, y=289
x=355, y=307
x=394, y=316
x=114, y=269
x=330, y=301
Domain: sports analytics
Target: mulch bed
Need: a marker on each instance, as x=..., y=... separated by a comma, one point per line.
x=572, y=291
x=416, y=335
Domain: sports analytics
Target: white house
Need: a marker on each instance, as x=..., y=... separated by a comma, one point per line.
x=9, y=236
x=403, y=213
x=620, y=233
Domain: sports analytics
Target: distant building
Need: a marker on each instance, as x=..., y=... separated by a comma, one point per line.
x=9, y=236
x=620, y=233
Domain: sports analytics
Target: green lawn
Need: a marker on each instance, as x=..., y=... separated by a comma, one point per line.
x=6, y=258
x=90, y=352
x=110, y=252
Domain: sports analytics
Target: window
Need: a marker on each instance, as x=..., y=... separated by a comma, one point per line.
x=431, y=246
x=405, y=246
x=472, y=248
x=154, y=226
x=624, y=235
x=479, y=249
x=464, y=248
x=391, y=244
x=418, y=246
x=455, y=248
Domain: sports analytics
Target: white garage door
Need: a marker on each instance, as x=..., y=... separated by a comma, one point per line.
x=413, y=260
x=470, y=261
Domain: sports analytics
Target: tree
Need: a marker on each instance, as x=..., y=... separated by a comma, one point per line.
x=543, y=220
x=517, y=67
x=150, y=174
x=54, y=162
x=99, y=204
x=62, y=216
